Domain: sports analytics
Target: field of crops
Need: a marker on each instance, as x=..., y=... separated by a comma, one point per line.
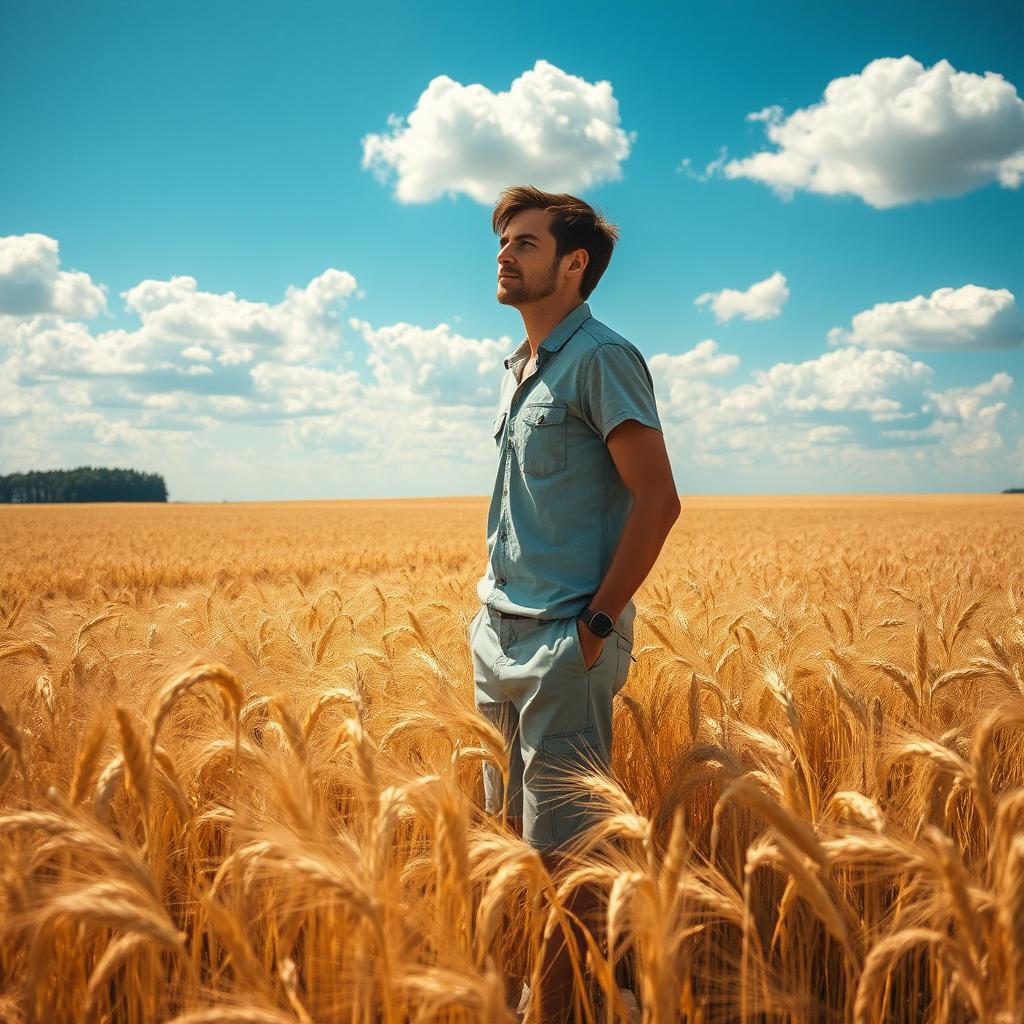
x=240, y=769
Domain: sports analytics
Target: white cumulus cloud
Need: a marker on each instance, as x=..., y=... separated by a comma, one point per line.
x=301, y=390
x=966, y=425
x=434, y=362
x=895, y=133
x=970, y=317
x=682, y=385
x=868, y=411
x=550, y=129
x=966, y=403
x=763, y=300
x=32, y=283
x=848, y=380
x=176, y=316
x=50, y=347
x=201, y=341
x=703, y=360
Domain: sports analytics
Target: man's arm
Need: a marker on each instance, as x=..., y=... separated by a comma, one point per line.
x=639, y=454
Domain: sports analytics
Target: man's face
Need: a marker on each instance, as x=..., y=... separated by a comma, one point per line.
x=527, y=267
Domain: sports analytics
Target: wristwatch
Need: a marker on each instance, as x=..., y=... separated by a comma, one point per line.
x=597, y=622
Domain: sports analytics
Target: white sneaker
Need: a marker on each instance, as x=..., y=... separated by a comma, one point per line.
x=524, y=999
x=633, y=1014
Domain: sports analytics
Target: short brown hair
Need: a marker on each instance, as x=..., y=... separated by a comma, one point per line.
x=574, y=224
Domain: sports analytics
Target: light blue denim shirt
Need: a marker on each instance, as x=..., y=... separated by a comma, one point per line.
x=559, y=505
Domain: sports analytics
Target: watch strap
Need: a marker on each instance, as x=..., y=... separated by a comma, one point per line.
x=588, y=615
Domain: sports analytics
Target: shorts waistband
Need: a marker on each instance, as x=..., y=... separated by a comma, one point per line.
x=510, y=615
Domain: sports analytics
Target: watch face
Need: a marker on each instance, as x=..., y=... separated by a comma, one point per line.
x=601, y=624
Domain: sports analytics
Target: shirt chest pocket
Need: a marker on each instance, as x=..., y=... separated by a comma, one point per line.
x=543, y=439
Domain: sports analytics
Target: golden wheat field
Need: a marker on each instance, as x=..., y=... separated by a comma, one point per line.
x=240, y=769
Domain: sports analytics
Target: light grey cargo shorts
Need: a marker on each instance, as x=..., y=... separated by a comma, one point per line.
x=556, y=715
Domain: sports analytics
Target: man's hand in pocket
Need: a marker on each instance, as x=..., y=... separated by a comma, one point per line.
x=590, y=643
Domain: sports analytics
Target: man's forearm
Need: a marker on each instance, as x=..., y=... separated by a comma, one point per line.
x=643, y=535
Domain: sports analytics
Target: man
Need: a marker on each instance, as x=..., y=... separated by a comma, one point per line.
x=582, y=503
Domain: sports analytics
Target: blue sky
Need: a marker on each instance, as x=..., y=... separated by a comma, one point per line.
x=224, y=143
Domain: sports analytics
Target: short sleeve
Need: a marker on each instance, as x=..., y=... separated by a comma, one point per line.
x=616, y=385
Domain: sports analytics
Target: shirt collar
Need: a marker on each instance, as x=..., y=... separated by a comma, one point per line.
x=558, y=336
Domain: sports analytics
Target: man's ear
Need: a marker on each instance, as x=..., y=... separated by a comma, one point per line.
x=579, y=261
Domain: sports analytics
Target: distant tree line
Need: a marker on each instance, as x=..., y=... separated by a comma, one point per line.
x=1014, y=490
x=86, y=483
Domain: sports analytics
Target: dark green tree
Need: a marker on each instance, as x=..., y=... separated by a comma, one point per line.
x=84, y=483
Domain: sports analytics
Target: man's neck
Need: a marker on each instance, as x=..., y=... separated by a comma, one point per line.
x=541, y=318
x=525, y=369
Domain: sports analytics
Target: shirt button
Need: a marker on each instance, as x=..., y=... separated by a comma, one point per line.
x=505, y=491
x=501, y=581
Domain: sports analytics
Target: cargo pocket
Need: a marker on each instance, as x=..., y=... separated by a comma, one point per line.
x=566, y=804
x=544, y=439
